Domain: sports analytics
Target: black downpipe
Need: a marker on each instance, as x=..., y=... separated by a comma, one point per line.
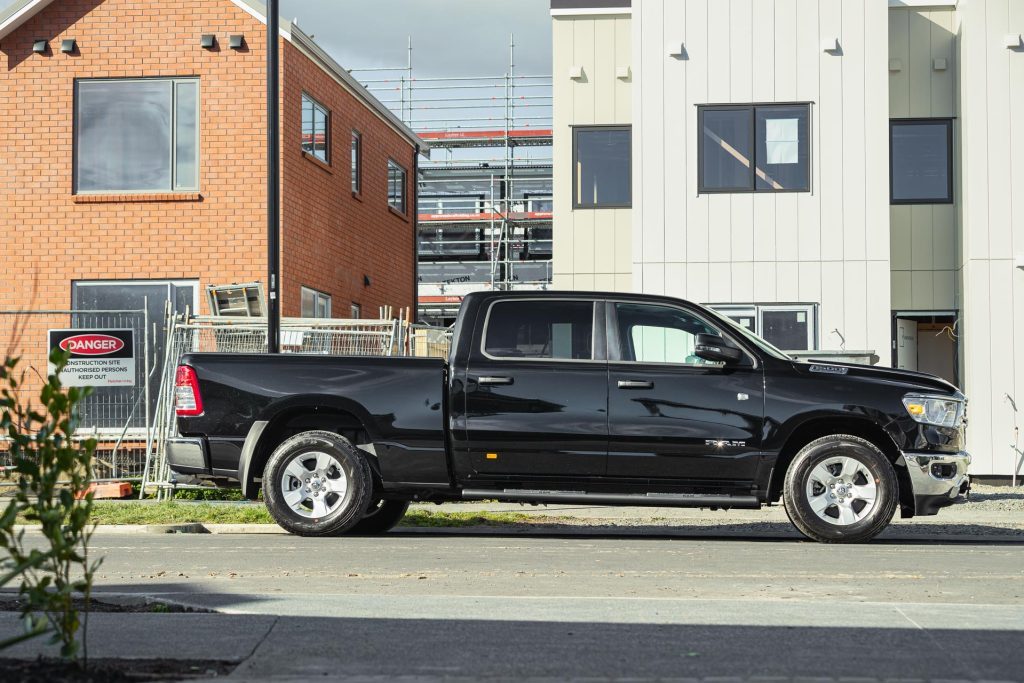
x=273, y=182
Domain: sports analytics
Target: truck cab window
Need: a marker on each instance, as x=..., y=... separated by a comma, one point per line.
x=555, y=330
x=659, y=334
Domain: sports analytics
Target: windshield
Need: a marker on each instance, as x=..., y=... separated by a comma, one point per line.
x=752, y=338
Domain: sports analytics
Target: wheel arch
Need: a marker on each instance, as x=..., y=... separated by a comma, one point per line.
x=866, y=429
x=293, y=419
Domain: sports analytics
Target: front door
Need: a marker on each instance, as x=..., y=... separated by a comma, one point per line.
x=536, y=392
x=672, y=415
x=906, y=344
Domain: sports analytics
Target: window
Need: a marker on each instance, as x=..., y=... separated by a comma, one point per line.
x=754, y=148
x=556, y=330
x=396, y=187
x=601, y=167
x=784, y=326
x=137, y=135
x=316, y=129
x=659, y=334
x=315, y=304
x=357, y=162
x=355, y=311
x=921, y=161
x=103, y=406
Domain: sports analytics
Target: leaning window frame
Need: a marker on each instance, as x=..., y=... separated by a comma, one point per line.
x=575, y=174
x=172, y=81
x=597, y=325
x=753, y=107
x=950, y=153
x=327, y=128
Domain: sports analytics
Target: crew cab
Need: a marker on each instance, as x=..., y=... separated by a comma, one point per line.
x=573, y=397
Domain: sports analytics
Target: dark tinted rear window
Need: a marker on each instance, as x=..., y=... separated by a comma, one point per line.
x=540, y=329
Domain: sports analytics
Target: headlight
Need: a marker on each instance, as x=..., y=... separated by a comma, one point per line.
x=941, y=411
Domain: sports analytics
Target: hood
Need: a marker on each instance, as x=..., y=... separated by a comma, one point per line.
x=914, y=381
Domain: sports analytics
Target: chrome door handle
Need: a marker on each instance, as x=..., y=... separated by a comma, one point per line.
x=635, y=384
x=495, y=380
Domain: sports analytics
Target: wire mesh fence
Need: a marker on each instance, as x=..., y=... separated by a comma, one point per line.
x=431, y=342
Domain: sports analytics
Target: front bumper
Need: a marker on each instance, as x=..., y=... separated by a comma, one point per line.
x=938, y=479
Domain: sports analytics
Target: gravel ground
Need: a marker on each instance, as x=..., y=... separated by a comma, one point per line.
x=995, y=499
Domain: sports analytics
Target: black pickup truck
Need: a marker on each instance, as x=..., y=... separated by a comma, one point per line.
x=573, y=397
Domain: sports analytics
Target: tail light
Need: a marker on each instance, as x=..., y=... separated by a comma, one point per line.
x=187, y=400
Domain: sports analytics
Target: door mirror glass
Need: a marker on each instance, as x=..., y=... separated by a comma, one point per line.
x=714, y=348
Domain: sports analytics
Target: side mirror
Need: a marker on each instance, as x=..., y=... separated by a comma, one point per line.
x=713, y=348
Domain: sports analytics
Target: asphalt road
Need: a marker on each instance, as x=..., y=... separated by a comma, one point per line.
x=460, y=604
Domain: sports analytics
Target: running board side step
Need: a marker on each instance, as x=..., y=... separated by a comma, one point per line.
x=636, y=499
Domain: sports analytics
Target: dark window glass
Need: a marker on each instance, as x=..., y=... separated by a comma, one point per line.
x=541, y=329
x=727, y=149
x=786, y=329
x=124, y=131
x=921, y=165
x=754, y=148
x=659, y=334
x=315, y=129
x=396, y=186
x=357, y=162
x=601, y=167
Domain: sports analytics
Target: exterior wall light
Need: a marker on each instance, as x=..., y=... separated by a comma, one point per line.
x=67, y=46
x=1013, y=41
x=677, y=50
x=236, y=41
x=575, y=72
x=207, y=41
x=622, y=72
x=366, y=281
x=831, y=46
x=940, y=64
x=895, y=65
x=40, y=47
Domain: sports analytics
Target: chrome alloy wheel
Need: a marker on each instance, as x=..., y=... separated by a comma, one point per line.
x=841, y=490
x=314, y=484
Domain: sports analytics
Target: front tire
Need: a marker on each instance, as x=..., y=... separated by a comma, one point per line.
x=317, y=484
x=840, y=489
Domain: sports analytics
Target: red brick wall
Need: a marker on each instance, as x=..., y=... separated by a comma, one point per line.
x=332, y=238
x=51, y=237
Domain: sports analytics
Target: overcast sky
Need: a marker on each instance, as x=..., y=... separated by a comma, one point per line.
x=449, y=37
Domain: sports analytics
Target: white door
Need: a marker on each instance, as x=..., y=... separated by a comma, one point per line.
x=906, y=344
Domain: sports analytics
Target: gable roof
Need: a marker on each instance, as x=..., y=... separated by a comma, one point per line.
x=20, y=11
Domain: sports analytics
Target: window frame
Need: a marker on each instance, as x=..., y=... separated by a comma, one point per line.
x=317, y=296
x=317, y=104
x=575, y=164
x=752, y=107
x=173, y=134
x=597, y=325
x=950, y=153
x=759, y=309
x=356, y=162
x=404, y=211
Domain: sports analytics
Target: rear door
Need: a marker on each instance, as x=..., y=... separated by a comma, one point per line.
x=673, y=415
x=536, y=391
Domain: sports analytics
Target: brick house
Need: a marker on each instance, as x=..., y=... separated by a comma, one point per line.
x=133, y=160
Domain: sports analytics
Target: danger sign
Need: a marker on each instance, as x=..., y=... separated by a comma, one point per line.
x=99, y=358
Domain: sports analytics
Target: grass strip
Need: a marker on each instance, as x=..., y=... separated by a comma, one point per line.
x=171, y=512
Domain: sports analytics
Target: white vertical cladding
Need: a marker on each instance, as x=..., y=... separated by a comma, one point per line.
x=592, y=247
x=992, y=227
x=923, y=238
x=827, y=246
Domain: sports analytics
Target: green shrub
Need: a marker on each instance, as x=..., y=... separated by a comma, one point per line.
x=53, y=474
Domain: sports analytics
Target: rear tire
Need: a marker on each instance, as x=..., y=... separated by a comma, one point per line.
x=841, y=489
x=381, y=516
x=317, y=484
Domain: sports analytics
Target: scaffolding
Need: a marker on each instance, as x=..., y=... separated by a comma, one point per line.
x=484, y=194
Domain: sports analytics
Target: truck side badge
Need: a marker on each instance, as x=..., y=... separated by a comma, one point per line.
x=742, y=397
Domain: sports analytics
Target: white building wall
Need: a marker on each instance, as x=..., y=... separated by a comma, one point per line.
x=592, y=247
x=992, y=215
x=828, y=246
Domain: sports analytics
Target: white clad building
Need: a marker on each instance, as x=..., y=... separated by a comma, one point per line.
x=844, y=177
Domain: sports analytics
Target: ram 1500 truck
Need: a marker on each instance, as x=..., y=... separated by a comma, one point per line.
x=571, y=397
